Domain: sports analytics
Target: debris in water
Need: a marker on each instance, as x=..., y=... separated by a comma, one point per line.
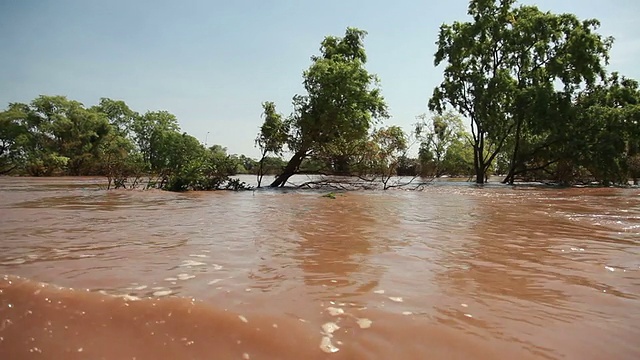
x=407, y=313
x=244, y=319
x=275, y=326
x=171, y=279
x=329, y=195
x=327, y=346
x=609, y=268
x=468, y=315
x=215, y=281
x=364, y=323
x=378, y=292
x=464, y=305
x=335, y=311
x=245, y=356
x=396, y=298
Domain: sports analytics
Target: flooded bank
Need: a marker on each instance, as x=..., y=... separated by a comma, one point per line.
x=453, y=271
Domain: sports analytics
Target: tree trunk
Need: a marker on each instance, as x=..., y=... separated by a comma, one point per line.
x=261, y=168
x=480, y=174
x=292, y=167
x=512, y=166
x=478, y=157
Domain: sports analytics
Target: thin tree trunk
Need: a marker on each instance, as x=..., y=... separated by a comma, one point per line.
x=261, y=168
x=512, y=167
x=478, y=156
x=292, y=167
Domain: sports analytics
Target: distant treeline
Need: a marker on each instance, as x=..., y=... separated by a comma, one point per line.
x=531, y=85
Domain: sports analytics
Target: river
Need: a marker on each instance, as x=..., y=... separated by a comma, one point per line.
x=454, y=271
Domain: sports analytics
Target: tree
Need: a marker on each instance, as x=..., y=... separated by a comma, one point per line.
x=436, y=136
x=342, y=101
x=14, y=137
x=120, y=116
x=273, y=135
x=608, y=139
x=151, y=132
x=505, y=62
x=390, y=146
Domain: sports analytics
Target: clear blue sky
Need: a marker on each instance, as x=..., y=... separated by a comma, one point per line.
x=213, y=63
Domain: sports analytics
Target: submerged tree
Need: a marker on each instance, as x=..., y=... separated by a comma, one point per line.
x=501, y=66
x=273, y=136
x=440, y=137
x=607, y=140
x=342, y=101
x=389, y=147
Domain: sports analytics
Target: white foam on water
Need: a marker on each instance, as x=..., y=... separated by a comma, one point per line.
x=396, y=298
x=199, y=255
x=162, y=293
x=185, y=276
x=610, y=268
x=214, y=281
x=364, y=323
x=243, y=319
x=128, y=297
x=335, y=311
x=189, y=263
x=378, y=291
x=329, y=328
x=327, y=346
x=171, y=279
x=14, y=262
x=407, y=313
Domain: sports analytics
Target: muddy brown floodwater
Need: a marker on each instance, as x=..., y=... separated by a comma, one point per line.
x=451, y=272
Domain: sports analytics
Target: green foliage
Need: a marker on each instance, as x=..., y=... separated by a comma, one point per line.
x=341, y=103
x=382, y=154
x=56, y=136
x=329, y=195
x=531, y=84
x=502, y=67
x=444, y=145
x=274, y=134
x=14, y=137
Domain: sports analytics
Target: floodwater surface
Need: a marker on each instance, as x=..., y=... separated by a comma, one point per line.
x=453, y=271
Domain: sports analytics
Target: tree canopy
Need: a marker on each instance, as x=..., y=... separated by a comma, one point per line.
x=503, y=68
x=532, y=87
x=341, y=103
